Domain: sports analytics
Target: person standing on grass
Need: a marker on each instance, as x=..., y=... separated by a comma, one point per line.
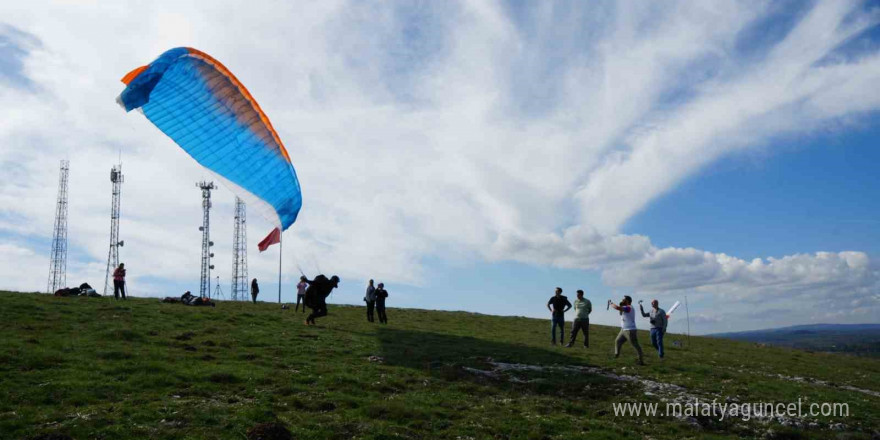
x=381, y=295
x=301, y=293
x=370, y=299
x=627, y=327
x=316, y=296
x=558, y=305
x=657, y=316
x=582, y=309
x=255, y=290
x=119, y=281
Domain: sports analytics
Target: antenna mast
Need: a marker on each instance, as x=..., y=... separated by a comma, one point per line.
x=116, y=180
x=58, y=258
x=688, y=311
x=239, y=253
x=205, y=285
x=218, y=292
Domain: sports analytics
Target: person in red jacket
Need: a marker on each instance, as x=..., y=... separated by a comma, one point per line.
x=119, y=281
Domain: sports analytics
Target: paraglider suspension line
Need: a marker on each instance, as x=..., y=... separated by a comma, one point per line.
x=280, y=244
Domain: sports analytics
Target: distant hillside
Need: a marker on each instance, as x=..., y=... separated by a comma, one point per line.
x=857, y=339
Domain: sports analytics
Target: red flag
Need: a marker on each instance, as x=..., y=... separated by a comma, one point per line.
x=273, y=238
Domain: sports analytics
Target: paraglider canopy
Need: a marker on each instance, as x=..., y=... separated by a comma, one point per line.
x=208, y=112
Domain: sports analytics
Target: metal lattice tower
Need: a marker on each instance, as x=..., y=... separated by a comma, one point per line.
x=116, y=180
x=58, y=258
x=239, y=289
x=205, y=284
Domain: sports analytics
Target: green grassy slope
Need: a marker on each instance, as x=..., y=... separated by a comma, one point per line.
x=97, y=368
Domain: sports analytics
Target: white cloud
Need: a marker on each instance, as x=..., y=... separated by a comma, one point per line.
x=451, y=130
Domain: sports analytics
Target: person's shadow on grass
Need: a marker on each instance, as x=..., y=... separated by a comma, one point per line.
x=463, y=358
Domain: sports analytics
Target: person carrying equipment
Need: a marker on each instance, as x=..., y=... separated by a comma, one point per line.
x=627, y=327
x=658, y=320
x=316, y=296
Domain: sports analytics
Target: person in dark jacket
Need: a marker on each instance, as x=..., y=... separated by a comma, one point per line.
x=558, y=305
x=255, y=290
x=119, y=281
x=381, y=295
x=316, y=296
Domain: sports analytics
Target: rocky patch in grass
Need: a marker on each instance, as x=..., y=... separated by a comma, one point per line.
x=810, y=380
x=665, y=392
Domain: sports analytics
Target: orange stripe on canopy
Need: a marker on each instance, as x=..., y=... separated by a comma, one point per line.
x=134, y=73
x=244, y=91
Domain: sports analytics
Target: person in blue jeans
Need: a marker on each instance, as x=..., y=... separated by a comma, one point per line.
x=558, y=305
x=658, y=320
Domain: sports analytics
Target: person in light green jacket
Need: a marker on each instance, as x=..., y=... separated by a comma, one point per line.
x=582, y=309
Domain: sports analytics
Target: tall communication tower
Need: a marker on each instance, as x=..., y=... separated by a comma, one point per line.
x=58, y=258
x=116, y=180
x=239, y=253
x=205, y=285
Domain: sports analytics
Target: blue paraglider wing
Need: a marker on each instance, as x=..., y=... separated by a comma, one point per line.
x=203, y=107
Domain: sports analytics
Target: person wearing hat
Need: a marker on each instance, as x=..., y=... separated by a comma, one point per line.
x=582, y=309
x=316, y=296
x=558, y=305
x=627, y=327
x=381, y=295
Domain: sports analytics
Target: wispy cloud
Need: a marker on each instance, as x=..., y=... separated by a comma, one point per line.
x=14, y=48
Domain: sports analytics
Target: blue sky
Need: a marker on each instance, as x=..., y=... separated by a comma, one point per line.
x=798, y=195
x=475, y=155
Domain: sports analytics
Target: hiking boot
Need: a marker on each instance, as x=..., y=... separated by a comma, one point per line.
x=568, y=345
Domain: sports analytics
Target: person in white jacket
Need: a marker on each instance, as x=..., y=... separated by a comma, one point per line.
x=627, y=327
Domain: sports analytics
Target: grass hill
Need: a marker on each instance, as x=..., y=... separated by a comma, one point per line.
x=857, y=339
x=95, y=368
